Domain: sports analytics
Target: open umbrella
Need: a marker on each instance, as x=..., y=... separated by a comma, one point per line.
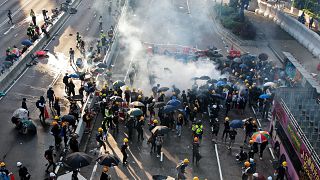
x=236, y=124
x=174, y=102
x=41, y=53
x=74, y=75
x=20, y=113
x=162, y=177
x=204, y=78
x=263, y=56
x=159, y=104
x=26, y=42
x=218, y=96
x=116, y=98
x=30, y=127
x=108, y=160
x=99, y=70
x=135, y=112
x=163, y=89
x=77, y=160
x=169, y=108
x=137, y=104
x=102, y=65
x=7, y=63
x=260, y=136
x=212, y=81
x=195, y=78
x=269, y=84
x=68, y=176
x=68, y=118
x=220, y=83
x=264, y=96
x=160, y=130
x=237, y=60
x=118, y=83
x=242, y=66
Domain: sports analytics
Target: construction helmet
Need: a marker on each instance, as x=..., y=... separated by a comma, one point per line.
x=56, y=118
x=125, y=140
x=139, y=97
x=2, y=164
x=251, y=141
x=246, y=164
x=226, y=118
x=54, y=123
x=196, y=178
x=185, y=161
x=100, y=94
x=19, y=164
x=104, y=95
x=284, y=163
x=196, y=139
x=127, y=87
x=100, y=129
x=105, y=168
x=115, y=93
x=246, y=80
x=155, y=121
x=195, y=108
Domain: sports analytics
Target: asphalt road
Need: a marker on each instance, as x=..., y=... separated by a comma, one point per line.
x=185, y=23
x=30, y=150
x=13, y=34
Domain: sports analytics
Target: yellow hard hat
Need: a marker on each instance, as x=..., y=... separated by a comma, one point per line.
x=250, y=87
x=104, y=88
x=56, y=118
x=195, y=178
x=246, y=80
x=246, y=164
x=117, y=103
x=100, y=129
x=115, y=92
x=155, y=121
x=247, y=84
x=105, y=168
x=125, y=140
x=251, y=141
x=284, y=163
x=186, y=161
x=196, y=139
x=2, y=164
x=213, y=91
x=104, y=95
x=195, y=108
x=226, y=118
x=127, y=87
x=100, y=94
x=54, y=123
x=139, y=97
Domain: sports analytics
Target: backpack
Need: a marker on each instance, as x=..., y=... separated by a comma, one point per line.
x=38, y=104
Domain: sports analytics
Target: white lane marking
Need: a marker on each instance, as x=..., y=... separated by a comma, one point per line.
x=188, y=7
x=15, y=35
x=16, y=12
x=4, y=2
x=9, y=30
x=218, y=160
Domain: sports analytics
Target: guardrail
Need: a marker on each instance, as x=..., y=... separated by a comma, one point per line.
x=308, y=38
x=11, y=74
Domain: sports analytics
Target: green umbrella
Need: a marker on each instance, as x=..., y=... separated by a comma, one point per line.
x=118, y=83
x=135, y=112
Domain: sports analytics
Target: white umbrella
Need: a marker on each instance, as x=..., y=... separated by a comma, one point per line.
x=68, y=175
x=271, y=84
x=20, y=113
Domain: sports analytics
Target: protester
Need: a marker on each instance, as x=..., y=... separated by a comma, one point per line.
x=124, y=148
x=23, y=172
x=49, y=156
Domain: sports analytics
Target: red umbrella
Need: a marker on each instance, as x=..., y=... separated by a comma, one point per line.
x=41, y=53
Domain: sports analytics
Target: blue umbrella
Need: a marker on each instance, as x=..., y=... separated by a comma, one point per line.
x=26, y=42
x=264, y=96
x=74, y=75
x=169, y=108
x=174, y=102
x=242, y=66
x=220, y=83
x=236, y=124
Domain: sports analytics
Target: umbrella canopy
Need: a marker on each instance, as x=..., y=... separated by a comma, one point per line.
x=137, y=104
x=135, y=112
x=68, y=118
x=220, y=83
x=102, y=65
x=116, y=98
x=237, y=60
x=269, y=84
x=159, y=104
x=108, y=160
x=174, y=102
x=264, y=96
x=263, y=56
x=99, y=70
x=218, y=96
x=32, y=129
x=41, y=53
x=195, y=78
x=68, y=176
x=118, y=83
x=26, y=42
x=169, y=108
x=162, y=177
x=74, y=75
x=227, y=69
x=204, y=78
x=242, y=66
x=20, y=113
x=77, y=160
x=260, y=136
x=236, y=124
x=163, y=89
x=212, y=81
x=160, y=130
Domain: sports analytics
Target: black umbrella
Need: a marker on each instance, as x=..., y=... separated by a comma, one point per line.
x=68, y=118
x=212, y=81
x=219, y=96
x=163, y=89
x=194, y=78
x=116, y=98
x=159, y=104
x=204, y=78
x=160, y=130
x=108, y=160
x=169, y=108
x=102, y=65
x=77, y=160
x=263, y=56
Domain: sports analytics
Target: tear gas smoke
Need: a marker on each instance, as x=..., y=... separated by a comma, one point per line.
x=165, y=23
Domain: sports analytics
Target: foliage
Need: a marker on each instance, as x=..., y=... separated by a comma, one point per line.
x=230, y=19
x=310, y=7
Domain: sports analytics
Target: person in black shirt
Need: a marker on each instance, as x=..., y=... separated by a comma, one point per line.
x=23, y=172
x=139, y=127
x=49, y=156
x=24, y=104
x=124, y=151
x=66, y=82
x=104, y=174
x=226, y=129
x=74, y=144
x=232, y=136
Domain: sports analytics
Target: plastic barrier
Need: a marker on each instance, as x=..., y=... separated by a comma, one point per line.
x=18, y=67
x=308, y=38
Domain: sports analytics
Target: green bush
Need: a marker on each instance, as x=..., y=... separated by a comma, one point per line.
x=248, y=31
